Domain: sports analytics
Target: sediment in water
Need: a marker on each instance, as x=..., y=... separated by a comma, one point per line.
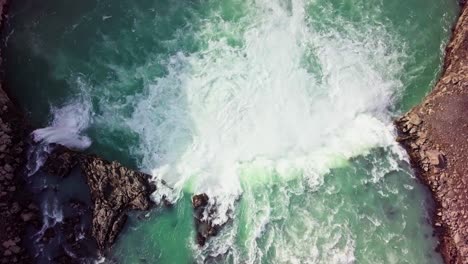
x=435, y=135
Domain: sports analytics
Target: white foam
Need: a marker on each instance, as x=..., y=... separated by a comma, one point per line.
x=68, y=123
x=65, y=129
x=227, y=107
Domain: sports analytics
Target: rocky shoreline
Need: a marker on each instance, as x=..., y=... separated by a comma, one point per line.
x=15, y=203
x=16, y=207
x=435, y=135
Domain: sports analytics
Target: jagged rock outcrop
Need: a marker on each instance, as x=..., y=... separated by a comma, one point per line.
x=435, y=135
x=114, y=190
x=203, y=218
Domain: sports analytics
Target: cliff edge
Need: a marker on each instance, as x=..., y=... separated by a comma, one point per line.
x=435, y=135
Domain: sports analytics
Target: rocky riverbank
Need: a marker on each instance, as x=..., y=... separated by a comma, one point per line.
x=435, y=135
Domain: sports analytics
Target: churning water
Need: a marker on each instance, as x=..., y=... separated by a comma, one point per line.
x=280, y=110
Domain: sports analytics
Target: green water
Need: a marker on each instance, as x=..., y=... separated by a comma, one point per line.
x=280, y=110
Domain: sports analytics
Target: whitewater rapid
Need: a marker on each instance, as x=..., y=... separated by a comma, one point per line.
x=270, y=98
x=260, y=104
x=285, y=94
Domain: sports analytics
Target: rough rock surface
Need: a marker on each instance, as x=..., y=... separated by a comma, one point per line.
x=16, y=210
x=435, y=134
x=204, y=225
x=114, y=190
x=61, y=161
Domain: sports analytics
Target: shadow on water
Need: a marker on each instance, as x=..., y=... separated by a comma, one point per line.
x=66, y=219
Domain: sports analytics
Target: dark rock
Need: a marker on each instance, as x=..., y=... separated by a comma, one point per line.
x=78, y=206
x=15, y=249
x=33, y=206
x=49, y=234
x=114, y=191
x=8, y=168
x=28, y=216
x=8, y=243
x=200, y=200
x=204, y=226
x=64, y=258
x=61, y=161
x=15, y=208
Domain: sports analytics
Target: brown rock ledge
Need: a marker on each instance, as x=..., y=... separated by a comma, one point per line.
x=435, y=135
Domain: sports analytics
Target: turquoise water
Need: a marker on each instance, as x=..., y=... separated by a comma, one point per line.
x=280, y=110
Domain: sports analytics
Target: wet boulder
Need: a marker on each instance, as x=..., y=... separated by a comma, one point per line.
x=114, y=191
x=203, y=218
